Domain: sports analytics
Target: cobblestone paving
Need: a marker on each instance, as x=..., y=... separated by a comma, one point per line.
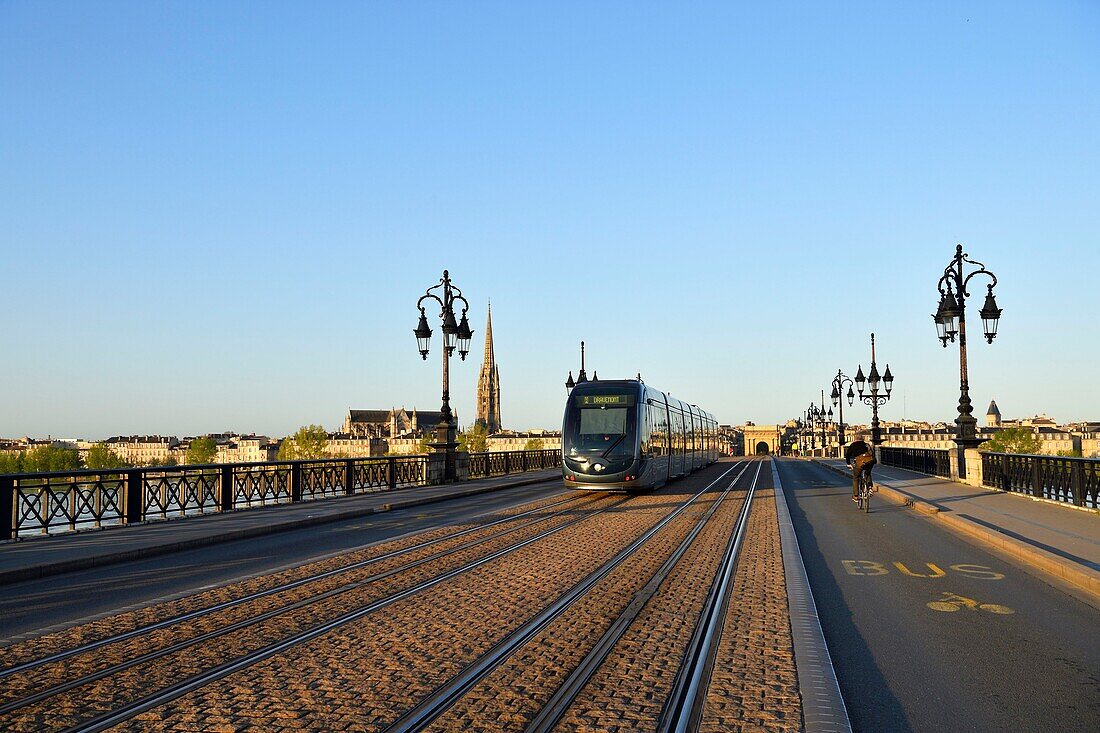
x=511, y=696
x=754, y=686
x=70, y=707
x=31, y=649
x=630, y=687
x=364, y=675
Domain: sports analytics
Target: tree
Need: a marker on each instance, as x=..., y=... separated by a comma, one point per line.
x=424, y=446
x=202, y=451
x=51, y=458
x=11, y=462
x=101, y=456
x=1013, y=440
x=474, y=440
x=533, y=444
x=1075, y=453
x=308, y=443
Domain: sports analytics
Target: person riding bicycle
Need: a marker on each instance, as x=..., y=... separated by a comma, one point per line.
x=861, y=458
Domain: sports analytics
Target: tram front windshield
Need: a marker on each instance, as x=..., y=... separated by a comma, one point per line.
x=600, y=429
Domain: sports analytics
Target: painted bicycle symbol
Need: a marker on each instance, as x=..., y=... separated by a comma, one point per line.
x=955, y=602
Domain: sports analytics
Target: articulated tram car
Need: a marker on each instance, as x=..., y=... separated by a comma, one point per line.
x=626, y=436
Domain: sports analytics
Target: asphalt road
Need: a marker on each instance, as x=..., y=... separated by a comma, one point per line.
x=64, y=599
x=999, y=649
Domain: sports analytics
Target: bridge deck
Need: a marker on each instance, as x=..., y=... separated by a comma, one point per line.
x=583, y=610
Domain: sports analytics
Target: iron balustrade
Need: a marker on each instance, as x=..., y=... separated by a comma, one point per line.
x=1058, y=478
x=931, y=461
x=58, y=502
x=498, y=464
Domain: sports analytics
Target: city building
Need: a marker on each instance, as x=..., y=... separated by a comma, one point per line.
x=993, y=415
x=245, y=448
x=346, y=445
x=510, y=440
x=143, y=450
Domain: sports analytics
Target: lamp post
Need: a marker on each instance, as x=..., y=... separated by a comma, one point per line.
x=874, y=399
x=816, y=417
x=810, y=425
x=838, y=401
x=950, y=319
x=454, y=335
x=826, y=418
x=581, y=376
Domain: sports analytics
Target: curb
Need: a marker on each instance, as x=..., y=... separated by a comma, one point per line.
x=1082, y=579
x=44, y=570
x=823, y=709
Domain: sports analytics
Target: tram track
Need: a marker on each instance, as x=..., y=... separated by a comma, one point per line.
x=367, y=674
x=552, y=712
x=42, y=694
x=442, y=698
x=26, y=649
x=126, y=712
x=683, y=711
x=191, y=674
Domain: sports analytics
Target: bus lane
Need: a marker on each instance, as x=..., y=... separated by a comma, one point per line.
x=929, y=632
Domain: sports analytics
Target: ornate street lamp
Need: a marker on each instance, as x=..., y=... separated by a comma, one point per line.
x=950, y=319
x=811, y=420
x=581, y=376
x=456, y=334
x=826, y=418
x=838, y=401
x=875, y=399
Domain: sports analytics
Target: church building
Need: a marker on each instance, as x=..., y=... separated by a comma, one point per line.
x=392, y=423
x=488, y=383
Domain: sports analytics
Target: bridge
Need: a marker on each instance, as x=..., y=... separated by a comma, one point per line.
x=366, y=594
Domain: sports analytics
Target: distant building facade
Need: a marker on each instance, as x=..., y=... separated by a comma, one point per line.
x=144, y=450
x=993, y=415
x=245, y=449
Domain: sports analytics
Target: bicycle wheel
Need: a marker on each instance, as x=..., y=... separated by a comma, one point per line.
x=867, y=495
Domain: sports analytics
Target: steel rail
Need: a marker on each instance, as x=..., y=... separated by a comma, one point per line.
x=563, y=697
x=190, y=615
x=48, y=692
x=128, y=710
x=446, y=695
x=684, y=706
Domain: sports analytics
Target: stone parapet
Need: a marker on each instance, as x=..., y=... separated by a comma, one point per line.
x=437, y=468
x=973, y=462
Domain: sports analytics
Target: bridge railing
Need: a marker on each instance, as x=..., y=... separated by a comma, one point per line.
x=932, y=461
x=1058, y=478
x=483, y=465
x=58, y=502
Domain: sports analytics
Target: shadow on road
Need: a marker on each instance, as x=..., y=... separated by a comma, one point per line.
x=871, y=706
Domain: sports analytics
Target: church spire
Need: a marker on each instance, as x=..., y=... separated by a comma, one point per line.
x=488, y=382
x=489, y=357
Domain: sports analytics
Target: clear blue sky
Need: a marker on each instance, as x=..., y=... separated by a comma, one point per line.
x=219, y=215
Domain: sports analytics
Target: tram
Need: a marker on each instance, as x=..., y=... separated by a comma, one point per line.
x=623, y=435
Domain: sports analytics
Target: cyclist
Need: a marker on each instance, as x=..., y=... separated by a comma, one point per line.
x=861, y=458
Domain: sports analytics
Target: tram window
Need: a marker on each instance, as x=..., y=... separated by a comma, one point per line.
x=603, y=421
x=681, y=437
x=600, y=430
x=661, y=441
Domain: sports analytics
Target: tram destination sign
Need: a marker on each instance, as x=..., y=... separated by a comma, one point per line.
x=605, y=400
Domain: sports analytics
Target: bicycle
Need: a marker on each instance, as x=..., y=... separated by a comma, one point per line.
x=866, y=489
x=954, y=602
